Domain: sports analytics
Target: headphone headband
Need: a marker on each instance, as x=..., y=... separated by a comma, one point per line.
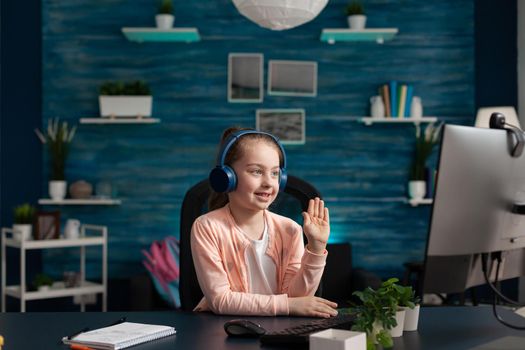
x=237, y=135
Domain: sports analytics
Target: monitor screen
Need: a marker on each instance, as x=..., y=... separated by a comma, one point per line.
x=478, y=184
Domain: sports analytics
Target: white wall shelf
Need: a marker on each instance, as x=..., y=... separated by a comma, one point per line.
x=161, y=35
x=417, y=202
x=101, y=120
x=397, y=120
x=379, y=35
x=87, y=201
x=85, y=287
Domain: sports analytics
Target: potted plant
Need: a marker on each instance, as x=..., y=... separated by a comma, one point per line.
x=42, y=282
x=355, y=13
x=24, y=216
x=378, y=314
x=125, y=99
x=57, y=138
x=411, y=304
x=425, y=142
x=165, y=17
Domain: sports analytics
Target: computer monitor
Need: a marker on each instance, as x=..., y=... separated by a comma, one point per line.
x=478, y=184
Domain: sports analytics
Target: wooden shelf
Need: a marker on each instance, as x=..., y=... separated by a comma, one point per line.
x=379, y=35
x=369, y=120
x=417, y=202
x=100, y=120
x=88, y=201
x=161, y=35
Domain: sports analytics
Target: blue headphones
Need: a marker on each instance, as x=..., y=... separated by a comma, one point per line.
x=223, y=179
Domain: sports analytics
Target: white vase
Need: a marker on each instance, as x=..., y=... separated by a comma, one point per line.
x=377, y=107
x=397, y=331
x=411, y=318
x=357, y=22
x=417, y=189
x=416, y=108
x=57, y=189
x=125, y=106
x=164, y=21
x=22, y=232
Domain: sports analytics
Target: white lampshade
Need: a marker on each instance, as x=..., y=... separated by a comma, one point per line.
x=280, y=14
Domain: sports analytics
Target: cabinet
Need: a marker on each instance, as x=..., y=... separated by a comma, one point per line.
x=98, y=236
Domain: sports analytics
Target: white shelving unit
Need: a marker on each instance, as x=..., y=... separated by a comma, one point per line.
x=395, y=120
x=87, y=201
x=417, y=202
x=86, y=287
x=100, y=120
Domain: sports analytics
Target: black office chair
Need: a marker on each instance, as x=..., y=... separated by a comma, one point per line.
x=338, y=279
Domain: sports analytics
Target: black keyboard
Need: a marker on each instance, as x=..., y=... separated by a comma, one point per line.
x=299, y=335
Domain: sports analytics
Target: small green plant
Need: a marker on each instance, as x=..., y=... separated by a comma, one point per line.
x=354, y=8
x=24, y=214
x=42, y=280
x=377, y=313
x=134, y=88
x=166, y=7
x=425, y=142
x=57, y=137
x=407, y=297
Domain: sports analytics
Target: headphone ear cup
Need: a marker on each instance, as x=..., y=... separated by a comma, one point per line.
x=282, y=179
x=223, y=179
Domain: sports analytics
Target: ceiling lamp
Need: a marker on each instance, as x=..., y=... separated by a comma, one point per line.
x=280, y=14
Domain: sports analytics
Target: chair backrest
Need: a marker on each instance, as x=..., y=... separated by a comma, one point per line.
x=290, y=203
x=483, y=116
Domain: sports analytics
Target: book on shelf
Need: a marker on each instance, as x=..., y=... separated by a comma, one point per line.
x=408, y=100
x=120, y=336
x=402, y=93
x=386, y=100
x=393, y=97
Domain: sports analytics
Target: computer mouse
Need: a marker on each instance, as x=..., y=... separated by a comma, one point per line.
x=243, y=328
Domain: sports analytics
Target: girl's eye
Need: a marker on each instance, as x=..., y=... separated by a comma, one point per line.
x=257, y=172
x=275, y=173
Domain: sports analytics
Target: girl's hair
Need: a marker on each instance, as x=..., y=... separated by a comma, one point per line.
x=218, y=200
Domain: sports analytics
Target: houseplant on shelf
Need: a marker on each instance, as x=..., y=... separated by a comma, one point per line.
x=424, y=144
x=24, y=216
x=57, y=137
x=165, y=18
x=378, y=314
x=355, y=13
x=42, y=282
x=125, y=99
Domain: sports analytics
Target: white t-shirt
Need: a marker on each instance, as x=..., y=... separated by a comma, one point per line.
x=262, y=270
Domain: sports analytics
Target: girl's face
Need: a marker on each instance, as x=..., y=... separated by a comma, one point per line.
x=257, y=173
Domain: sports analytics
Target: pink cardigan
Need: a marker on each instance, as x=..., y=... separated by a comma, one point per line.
x=218, y=247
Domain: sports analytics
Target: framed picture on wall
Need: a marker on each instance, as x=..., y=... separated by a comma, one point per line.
x=47, y=225
x=287, y=124
x=292, y=78
x=245, y=77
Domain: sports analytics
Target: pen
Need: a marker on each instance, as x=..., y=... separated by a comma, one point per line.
x=80, y=347
x=85, y=329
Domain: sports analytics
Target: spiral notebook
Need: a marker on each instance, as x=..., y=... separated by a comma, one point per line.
x=121, y=336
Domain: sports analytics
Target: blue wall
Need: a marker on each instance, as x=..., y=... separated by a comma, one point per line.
x=361, y=171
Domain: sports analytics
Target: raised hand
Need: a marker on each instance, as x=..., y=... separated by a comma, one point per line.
x=316, y=225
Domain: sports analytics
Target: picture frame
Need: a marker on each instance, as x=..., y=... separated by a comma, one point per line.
x=288, y=125
x=292, y=78
x=245, y=77
x=47, y=225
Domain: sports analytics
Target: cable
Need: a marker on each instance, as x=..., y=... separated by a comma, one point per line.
x=484, y=260
x=495, y=311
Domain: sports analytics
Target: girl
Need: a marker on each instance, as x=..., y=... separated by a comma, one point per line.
x=250, y=261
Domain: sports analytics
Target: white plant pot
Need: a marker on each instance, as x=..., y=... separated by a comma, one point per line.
x=164, y=21
x=397, y=331
x=357, y=22
x=57, y=190
x=411, y=318
x=417, y=189
x=125, y=106
x=22, y=232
